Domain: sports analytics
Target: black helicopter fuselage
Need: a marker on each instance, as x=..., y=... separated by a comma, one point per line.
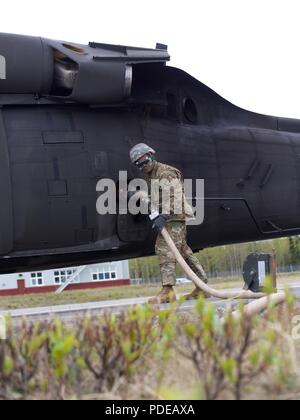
x=54, y=149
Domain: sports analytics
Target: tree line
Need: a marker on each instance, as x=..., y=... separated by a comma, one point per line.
x=225, y=259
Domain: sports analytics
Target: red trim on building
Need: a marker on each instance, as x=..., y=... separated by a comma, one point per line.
x=22, y=290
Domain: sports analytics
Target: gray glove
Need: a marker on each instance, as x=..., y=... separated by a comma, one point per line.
x=160, y=222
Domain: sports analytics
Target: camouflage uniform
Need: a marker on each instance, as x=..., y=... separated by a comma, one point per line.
x=176, y=226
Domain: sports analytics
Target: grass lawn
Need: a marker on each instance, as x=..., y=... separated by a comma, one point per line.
x=125, y=292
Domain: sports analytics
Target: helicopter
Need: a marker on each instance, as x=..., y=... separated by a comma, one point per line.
x=70, y=113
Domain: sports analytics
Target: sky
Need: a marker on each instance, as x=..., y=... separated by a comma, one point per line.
x=246, y=50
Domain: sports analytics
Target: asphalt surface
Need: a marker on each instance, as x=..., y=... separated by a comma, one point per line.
x=71, y=312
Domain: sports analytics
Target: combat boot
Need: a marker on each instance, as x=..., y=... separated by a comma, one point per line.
x=196, y=293
x=166, y=295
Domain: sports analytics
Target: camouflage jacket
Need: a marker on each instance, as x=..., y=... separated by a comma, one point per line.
x=166, y=193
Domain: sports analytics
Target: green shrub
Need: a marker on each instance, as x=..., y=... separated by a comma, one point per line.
x=227, y=358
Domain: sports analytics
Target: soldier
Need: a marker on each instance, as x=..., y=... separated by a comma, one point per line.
x=174, y=220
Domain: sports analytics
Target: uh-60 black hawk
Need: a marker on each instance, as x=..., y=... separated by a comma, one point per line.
x=69, y=115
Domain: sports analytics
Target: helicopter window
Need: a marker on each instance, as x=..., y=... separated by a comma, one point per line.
x=190, y=111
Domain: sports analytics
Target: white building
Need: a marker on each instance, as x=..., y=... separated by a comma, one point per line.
x=84, y=277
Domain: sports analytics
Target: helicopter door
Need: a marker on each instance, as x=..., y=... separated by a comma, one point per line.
x=133, y=228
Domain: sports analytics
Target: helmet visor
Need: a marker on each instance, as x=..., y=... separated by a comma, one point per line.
x=142, y=163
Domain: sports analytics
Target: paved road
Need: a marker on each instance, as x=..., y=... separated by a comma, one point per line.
x=73, y=311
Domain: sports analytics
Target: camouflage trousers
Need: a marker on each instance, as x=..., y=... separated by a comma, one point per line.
x=167, y=262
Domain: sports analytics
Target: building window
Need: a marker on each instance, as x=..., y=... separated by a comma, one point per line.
x=61, y=276
x=37, y=279
x=104, y=273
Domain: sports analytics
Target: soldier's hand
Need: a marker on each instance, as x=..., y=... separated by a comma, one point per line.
x=160, y=222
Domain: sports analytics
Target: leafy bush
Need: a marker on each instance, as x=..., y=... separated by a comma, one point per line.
x=112, y=354
x=114, y=347
x=229, y=355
